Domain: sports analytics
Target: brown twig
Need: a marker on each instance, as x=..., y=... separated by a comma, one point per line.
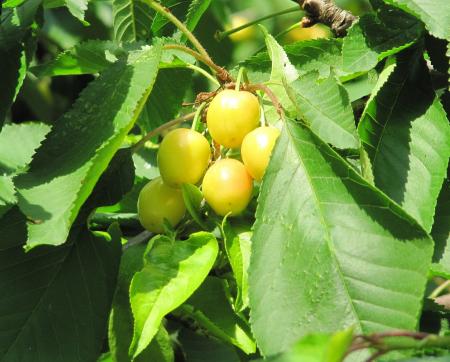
x=377, y=354
x=160, y=129
x=385, y=342
x=222, y=74
x=328, y=13
x=269, y=93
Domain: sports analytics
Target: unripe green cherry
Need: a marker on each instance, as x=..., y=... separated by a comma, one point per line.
x=227, y=187
x=157, y=202
x=231, y=115
x=183, y=157
x=257, y=148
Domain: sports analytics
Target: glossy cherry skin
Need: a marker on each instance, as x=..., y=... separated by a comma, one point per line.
x=257, y=148
x=183, y=157
x=158, y=201
x=227, y=187
x=231, y=115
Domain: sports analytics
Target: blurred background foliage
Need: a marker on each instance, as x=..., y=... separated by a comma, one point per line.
x=46, y=98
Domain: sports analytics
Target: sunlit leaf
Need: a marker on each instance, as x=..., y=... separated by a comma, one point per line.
x=172, y=271
x=325, y=249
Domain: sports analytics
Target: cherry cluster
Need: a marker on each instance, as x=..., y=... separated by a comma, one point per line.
x=185, y=156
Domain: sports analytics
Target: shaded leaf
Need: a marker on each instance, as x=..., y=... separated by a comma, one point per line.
x=210, y=308
x=378, y=35
x=441, y=234
x=437, y=50
x=145, y=162
x=196, y=10
x=166, y=99
x=65, y=291
x=62, y=175
x=193, y=198
x=237, y=241
x=426, y=359
x=325, y=249
x=89, y=57
x=116, y=181
x=435, y=14
x=131, y=20
x=325, y=106
x=16, y=48
x=172, y=271
x=198, y=348
x=405, y=132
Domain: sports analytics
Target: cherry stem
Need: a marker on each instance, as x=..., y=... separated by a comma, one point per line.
x=280, y=34
x=270, y=94
x=222, y=34
x=221, y=73
x=239, y=78
x=198, y=116
x=204, y=73
x=174, y=20
x=439, y=289
x=160, y=129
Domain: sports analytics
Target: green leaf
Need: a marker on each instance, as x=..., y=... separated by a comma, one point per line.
x=89, y=57
x=115, y=182
x=12, y=3
x=166, y=99
x=282, y=71
x=426, y=359
x=405, y=132
x=210, y=308
x=7, y=191
x=76, y=7
x=196, y=10
x=437, y=50
x=376, y=36
x=326, y=246
x=63, y=174
x=16, y=48
x=199, y=348
x=441, y=233
x=177, y=7
x=318, y=348
x=132, y=20
x=105, y=357
x=120, y=330
x=65, y=291
x=172, y=271
x=361, y=86
x=193, y=198
x=321, y=55
x=18, y=143
x=145, y=162
x=325, y=106
x=435, y=14
x=237, y=241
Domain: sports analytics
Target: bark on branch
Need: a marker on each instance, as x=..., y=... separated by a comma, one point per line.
x=328, y=13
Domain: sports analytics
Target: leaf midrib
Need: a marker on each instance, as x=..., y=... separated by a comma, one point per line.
x=329, y=239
